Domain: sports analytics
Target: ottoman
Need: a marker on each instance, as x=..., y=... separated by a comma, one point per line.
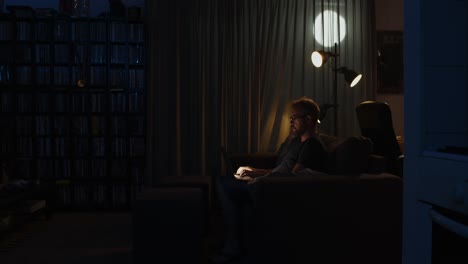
x=192, y=181
x=168, y=225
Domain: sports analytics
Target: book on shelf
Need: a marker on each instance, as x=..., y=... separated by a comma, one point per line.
x=119, y=195
x=81, y=168
x=98, y=32
x=119, y=147
x=118, y=32
x=42, y=125
x=98, y=54
x=80, y=31
x=62, y=30
x=64, y=197
x=62, y=75
x=137, y=146
x=98, y=76
x=99, y=194
x=135, y=55
x=59, y=125
x=25, y=103
x=136, y=33
x=119, y=54
x=23, y=53
x=43, y=102
x=136, y=103
x=136, y=79
x=42, y=53
x=98, y=125
x=24, y=125
x=119, y=102
x=44, y=146
x=80, y=125
x=62, y=169
x=98, y=147
x=43, y=75
x=97, y=102
x=44, y=168
x=7, y=101
x=119, y=125
x=23, y=75
x=23, y=30
x=98, y=168
x=79, y=103
x=5, y=30
x=62, y=53
x=24, y=146
x=136, y=125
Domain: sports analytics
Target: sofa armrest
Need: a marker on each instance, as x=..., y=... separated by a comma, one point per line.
x=362, y=199
x=377, y=164
x=257, y=160
x=352, y=214
x=321, y=185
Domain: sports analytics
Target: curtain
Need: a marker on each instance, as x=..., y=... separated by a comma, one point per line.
x=222, y=72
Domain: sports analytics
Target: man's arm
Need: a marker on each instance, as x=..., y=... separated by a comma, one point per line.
x=284, y=167
x=248, y=173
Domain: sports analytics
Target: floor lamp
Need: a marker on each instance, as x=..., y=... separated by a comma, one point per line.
x=351, y=77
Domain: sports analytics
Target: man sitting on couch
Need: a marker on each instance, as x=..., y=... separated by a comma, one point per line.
x=305, y=150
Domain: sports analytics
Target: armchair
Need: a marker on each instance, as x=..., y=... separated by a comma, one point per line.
x=346, y=215
x=375, y=121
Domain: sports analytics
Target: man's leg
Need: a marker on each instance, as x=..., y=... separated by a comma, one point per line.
x=234, y=197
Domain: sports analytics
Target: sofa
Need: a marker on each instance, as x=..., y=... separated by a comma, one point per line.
x=351, y=213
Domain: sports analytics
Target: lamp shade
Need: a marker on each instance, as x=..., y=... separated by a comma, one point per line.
x=351, y=77
x=319, y=58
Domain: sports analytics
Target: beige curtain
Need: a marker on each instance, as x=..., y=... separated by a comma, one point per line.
x=221, y=72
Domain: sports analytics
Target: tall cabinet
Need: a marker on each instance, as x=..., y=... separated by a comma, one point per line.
x=436, y=123
x=72, y=97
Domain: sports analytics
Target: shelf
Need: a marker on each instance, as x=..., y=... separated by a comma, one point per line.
x=70, y=157
x=64, y=132
x=445, y=156
x=33, y=88
x=103, y=180
x=57, y=113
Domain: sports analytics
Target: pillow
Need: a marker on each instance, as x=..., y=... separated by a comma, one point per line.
x=349, y=155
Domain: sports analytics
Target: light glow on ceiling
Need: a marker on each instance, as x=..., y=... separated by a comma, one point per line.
x=326, y=28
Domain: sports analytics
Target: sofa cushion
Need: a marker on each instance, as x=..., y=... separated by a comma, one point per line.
x=348, y=155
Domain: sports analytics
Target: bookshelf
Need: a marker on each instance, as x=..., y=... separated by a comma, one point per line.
x=85, y=137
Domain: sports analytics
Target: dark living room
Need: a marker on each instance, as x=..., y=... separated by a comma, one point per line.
x=121, y=119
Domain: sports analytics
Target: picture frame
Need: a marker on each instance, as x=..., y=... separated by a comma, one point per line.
x=390, y=62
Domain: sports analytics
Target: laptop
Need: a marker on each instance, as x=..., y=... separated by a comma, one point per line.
x=230, y=168
x=228, y=162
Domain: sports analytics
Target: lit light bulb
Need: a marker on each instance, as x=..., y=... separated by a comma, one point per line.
x=356, y=80
x=317, y=59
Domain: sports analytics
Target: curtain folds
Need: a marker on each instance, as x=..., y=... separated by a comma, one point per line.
x=221, y=72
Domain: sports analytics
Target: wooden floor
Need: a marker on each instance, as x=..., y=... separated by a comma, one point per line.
x=71, y=238
x=76, y=237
